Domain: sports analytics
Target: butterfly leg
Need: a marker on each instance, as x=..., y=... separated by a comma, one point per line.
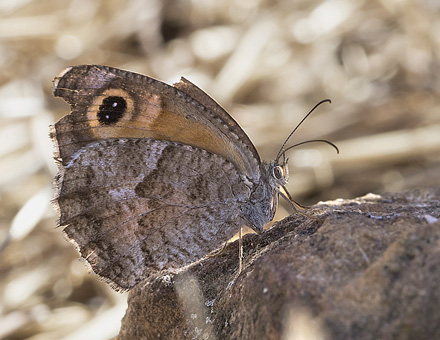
x=240, y=250
x=219, y=252
x=298, y=208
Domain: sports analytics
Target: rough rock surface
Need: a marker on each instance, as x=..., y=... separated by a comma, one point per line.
x=367, y=268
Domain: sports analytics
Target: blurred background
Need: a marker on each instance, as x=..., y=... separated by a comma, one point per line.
x=266, y=62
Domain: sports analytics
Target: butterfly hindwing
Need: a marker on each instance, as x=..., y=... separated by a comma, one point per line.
x=147, y=205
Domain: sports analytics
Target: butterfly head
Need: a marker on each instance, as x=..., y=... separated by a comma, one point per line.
x=280, y=171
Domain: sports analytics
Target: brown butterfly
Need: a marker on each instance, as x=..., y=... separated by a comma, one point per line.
x=153, y=177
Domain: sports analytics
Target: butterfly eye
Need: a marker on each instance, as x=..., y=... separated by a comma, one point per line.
x=111, y=110
x=278, y=172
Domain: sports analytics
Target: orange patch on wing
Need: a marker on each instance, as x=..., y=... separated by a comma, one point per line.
x=132, y=124
x=175, y=127
x=150, y=110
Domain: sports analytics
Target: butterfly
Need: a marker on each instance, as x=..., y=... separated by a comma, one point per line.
x=154, y=177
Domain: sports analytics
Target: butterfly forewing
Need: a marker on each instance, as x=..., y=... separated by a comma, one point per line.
x=153, y=109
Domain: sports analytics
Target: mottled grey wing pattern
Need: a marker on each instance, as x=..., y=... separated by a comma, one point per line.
x=135, y=207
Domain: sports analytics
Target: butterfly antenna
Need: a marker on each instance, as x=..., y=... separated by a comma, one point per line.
x=313, y=141
x=305, y=117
